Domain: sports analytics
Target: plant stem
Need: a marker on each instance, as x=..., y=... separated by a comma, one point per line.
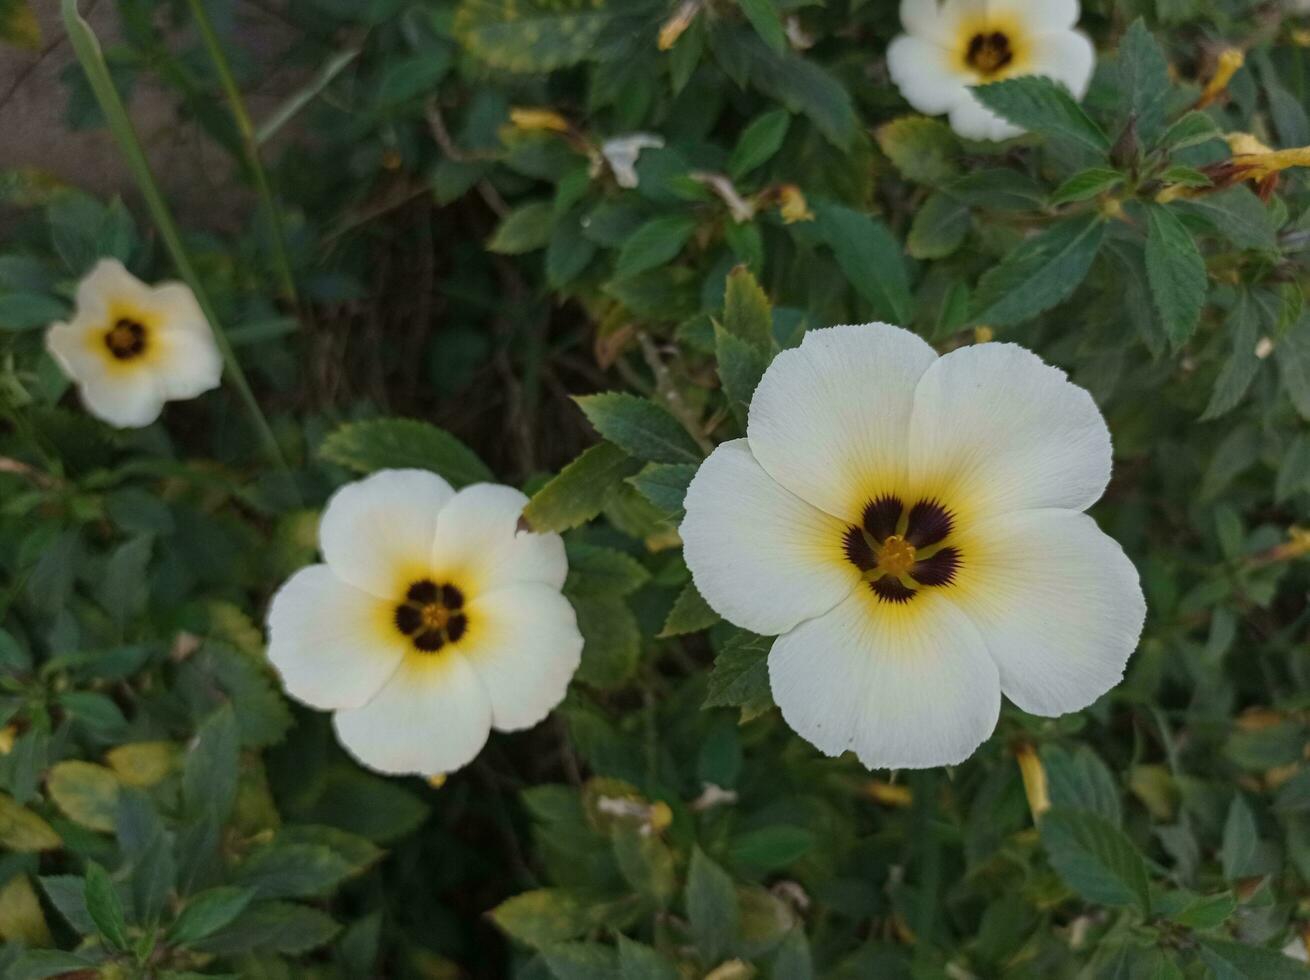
x=249, y=143
x=87, y=48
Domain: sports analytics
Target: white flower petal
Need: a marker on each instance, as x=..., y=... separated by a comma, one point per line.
x=902, y=686
x=478, y=542
x=523, y=642
x=333, y=645
x=189, y=364
x=762, y=557
x=927, y=74
x=1067, y=57
x=830, y=418
x=431, y=717
x=127, y=398
x=1057, y=602
x=376, y=534
x=940, y=22
x=973, y=120
x=997, y=429
x=109, y=284
x=1037, y=16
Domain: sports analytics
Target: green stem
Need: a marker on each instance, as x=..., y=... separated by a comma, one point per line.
x=87, y=49
x=249, y=144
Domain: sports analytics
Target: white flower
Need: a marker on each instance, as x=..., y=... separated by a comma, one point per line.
x=911, y=526
x=950, y=46
x=434, y=620
x=621, y=154
x=129, y=347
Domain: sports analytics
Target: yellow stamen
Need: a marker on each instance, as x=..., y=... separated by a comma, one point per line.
x=1230, y=60
x=896, y=557
x=1034, y=779
x=435, y=616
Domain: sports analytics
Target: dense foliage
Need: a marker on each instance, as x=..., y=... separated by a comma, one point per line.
x=555, y=243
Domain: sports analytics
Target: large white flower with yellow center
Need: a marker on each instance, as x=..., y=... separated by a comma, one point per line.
x=910, y=527
x=433, y=620
x=955, y=44
x=130, y=347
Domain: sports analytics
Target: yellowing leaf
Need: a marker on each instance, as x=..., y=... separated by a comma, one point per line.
x=143, y=763
x=18, y=25
x=22, y=830
x=87, y=793
x=21, y=918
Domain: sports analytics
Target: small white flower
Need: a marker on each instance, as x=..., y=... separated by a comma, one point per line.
x=434, y=620
x=950, y=46
x=621, y=154
x=910, y=527
x=129, y=347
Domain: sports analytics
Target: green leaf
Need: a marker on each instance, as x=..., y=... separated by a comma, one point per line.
x=763, y=16
x=1095, y=858
x=1237, y=961
x=1205, y=912
x=1242, y=363
x=712, y=909
x=105, y=907
x=665, y=484
x=741, y=676
x=870, y=257
x=640, y=962
x=1143, y=80
x=18, y=25
x=690, y=613
x=385, y=444
x=271, y=927
x=1293, y=471
x=1236, y=215
x=208, y=911
x=530, y=35
x=1042, y=106
x=1191, y=129
x=542, y=917
x=86, y=792
x=1292, y=355
x=653, y=244
x=1087, y=184
x=741, y=366
x=1040, y=273
x=1080, y=780
x=639, y=427
x=940, y=226
x=1241, y=839
x=746, y=310
x=924, y=150
x=581, y=489
x=760, y=140
x=1176, y=272
x=581, y=961
x=595, y=571
x=770, y=848
x=292, y=870
x=408, y=78
x=611, y=641
x=646, y=862
x=209, y=773
x=569, y=251
x=29, y=311
x=525, y=229
x=23, y=831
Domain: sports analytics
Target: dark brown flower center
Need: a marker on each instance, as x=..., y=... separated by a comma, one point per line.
x=431, y=615
x=126, y=339
x=989, y=53
x=900, y=552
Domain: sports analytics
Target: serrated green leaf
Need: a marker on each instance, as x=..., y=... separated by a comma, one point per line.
x=1040, y=273
x=746, y=310
x=105, y=907
x=664, y=485
x=1237, y=961
x=525, y=229
x=1143, y=79
x=939, y=228
x=741, y=366
x=1241, y=839
x=1191, y=129
x=595, y=571
x=581, y=961
x=870, y=256
x=740, y=677
x=770, y=848
x=712, y=909
x=654, y=243
x=639, y=427
x=209, y=773
x=640, y=962
x=29, y=311
x=530, y=35
x=271, y=927
x=580, y=490
x=1176, y=272
x=382, y=444
x=292, y=870
x=1095, y=858
x=1042, y=106
x=1242, y=363
x=611, y=641
x=764, y=17
x=1079, y=779
x=1087, y=184
x=690, y=613
x=1234, y=214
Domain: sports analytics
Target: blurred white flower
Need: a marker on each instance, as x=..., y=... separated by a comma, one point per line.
x=434, y=620
x=910, y=527
x=130, y=347
x=952, y=45
x=621, y=154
